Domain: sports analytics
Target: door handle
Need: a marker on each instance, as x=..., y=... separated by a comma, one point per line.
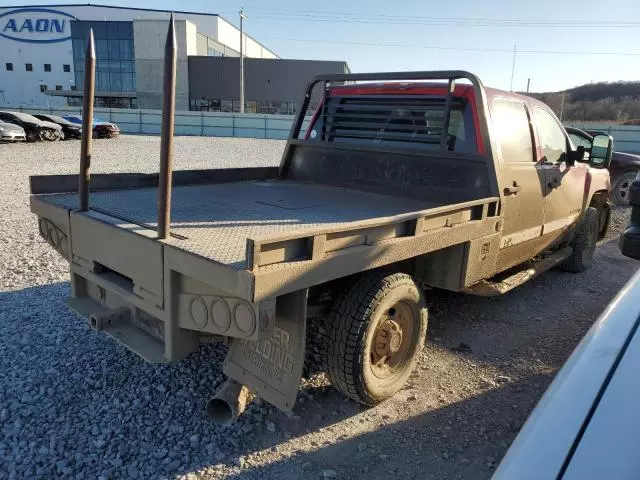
x=512, y=190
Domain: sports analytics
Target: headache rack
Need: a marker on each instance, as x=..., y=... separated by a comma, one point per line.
x=417, y=119
x=386, y=120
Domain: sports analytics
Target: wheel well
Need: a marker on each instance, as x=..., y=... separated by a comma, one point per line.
x=322, y=296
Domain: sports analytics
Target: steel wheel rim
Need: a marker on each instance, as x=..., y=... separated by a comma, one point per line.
x=391, y=342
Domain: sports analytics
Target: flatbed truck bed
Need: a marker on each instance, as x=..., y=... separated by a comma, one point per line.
x=266, y=227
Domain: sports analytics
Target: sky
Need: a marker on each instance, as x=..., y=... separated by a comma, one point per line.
x=559, y=43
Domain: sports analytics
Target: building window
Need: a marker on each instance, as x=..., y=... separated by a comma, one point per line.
x=43, y=88
x=47, y=67
x=9, y=67
x=58, y=87
x=28, y=67
x=212, y=52
x=115, y=59
x=66, y=68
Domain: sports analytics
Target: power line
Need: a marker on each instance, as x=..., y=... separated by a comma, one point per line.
x=350, y=17
x=442, y=23
x=464, y=49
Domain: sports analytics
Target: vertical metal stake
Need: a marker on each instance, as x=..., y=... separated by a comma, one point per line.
x=166, y=140
x=87, y=123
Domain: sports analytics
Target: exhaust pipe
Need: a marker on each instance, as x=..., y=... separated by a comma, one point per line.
x=228, y=403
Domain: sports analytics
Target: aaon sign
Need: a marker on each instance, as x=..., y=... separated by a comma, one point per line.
x=36, y=25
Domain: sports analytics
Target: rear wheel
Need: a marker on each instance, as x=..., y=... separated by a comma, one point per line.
x=620, y=190
x=584, y=243
x=374, y=336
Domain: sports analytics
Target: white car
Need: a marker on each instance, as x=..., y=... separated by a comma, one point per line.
x=11, y=133
x=587, y=423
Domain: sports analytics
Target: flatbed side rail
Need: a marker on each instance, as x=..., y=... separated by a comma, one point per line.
x=294, y=247
x=50, y=184
x=449, y=75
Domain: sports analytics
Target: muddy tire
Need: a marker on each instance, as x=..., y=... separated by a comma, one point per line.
x=376, y=331
x=584, y=243
x=620, y=189
x=604, y=217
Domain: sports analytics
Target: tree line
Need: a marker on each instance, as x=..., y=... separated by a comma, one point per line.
x=605, y=101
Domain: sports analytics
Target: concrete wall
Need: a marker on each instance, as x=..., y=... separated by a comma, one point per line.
x=149, y=39
x=229, y=35
x=626, y=138
x=203, y=43
x=206, y=124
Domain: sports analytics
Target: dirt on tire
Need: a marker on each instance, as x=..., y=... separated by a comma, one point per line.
x=351, y=325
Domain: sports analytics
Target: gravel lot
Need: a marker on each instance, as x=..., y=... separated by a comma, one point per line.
x=74, y=404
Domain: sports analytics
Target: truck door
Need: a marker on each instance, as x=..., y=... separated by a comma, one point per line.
x=565, y=183
x=522, y=182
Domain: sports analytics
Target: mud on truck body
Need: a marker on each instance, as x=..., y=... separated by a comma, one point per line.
x=421, y=180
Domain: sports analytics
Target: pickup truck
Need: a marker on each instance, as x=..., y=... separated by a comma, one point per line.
x=402, y=181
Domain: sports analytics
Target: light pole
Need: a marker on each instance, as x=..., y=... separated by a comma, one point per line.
x=242, y=18
x=513, y=68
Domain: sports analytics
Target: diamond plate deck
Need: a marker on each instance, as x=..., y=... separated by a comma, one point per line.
x=216, y=220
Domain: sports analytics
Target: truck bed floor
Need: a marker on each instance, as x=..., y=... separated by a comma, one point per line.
x=214, y=221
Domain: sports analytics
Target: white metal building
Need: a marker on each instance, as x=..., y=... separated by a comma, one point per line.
x=42, y=53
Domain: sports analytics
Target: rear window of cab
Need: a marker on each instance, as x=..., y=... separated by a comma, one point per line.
x=401, y=121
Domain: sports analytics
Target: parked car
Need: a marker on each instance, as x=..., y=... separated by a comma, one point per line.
x=623, y=169
x=586, y=425
x=587, y=422
x=630, y=238
x=35, y=129
x=11, y=133
x=69, y=129
x=101, y=128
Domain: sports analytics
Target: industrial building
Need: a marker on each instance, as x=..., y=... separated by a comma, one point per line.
x=42, y=60
x=271, y=86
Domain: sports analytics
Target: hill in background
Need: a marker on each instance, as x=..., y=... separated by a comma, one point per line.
x=606, y=101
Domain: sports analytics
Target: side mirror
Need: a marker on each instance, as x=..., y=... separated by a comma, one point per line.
x=576, y=155
x=601, y=151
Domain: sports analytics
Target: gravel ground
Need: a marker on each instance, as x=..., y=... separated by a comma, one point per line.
x=73, y=404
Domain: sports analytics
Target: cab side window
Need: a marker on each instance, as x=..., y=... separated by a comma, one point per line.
x=552, y=139
x=511, y=125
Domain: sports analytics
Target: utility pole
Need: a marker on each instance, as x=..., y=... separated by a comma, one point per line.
x=242, y=18
x=562, y=106
x=528, y=83
x=513, y=68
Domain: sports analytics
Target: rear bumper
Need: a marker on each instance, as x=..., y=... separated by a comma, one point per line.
x=124, y=324
x=151, y=297
x=12, y=137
